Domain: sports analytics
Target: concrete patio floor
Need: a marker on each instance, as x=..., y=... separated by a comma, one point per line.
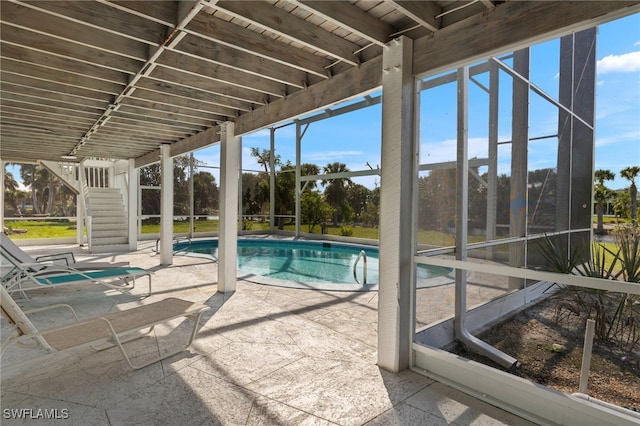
x=262, y=356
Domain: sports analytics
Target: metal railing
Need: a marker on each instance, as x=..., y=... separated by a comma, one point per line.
x=362, y=255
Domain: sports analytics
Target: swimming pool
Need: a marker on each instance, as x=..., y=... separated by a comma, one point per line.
x=309, y=264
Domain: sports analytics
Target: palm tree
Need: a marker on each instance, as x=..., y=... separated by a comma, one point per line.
x=601, y=194
x=9, y=181
x=630, y=173
x=27, y=174
x=336, y=190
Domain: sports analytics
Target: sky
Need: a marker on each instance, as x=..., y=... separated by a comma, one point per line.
x=354, y=138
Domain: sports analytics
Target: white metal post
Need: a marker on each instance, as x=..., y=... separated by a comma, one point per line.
x=298, y=191
x=230, y=153
x=166, y=206
x=191, y=196
x=132, y=204
x=80, y=218
x=399, y=166
x=492, y=179
x=272, y=180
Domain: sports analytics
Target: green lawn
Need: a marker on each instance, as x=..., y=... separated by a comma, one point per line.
x=610, y=220
x=61, y=228
x=182, y=227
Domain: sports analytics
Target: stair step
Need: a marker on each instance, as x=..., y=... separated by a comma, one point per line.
x=108, y=233
x=109, y=223
x=109, y=248
x=109, y=220
x=105, y=200
x=101, y=189
x=108, y=241
x=119, y=218
x=106, y=210
x=102, y=211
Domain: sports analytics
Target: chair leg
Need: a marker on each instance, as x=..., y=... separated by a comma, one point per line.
x=120, y=343
x=109, y=345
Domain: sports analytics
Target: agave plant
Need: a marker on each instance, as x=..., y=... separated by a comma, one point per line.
x=623, y=324
x=628, y=240
x=626, y=321
x=558, y=256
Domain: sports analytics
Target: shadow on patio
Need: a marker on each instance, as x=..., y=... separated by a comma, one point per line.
x=263, y=355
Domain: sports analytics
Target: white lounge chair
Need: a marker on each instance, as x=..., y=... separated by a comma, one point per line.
x=28, y=276
x=103, y=332
x=67, y=258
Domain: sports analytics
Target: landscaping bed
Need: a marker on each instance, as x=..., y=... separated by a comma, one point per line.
x=547, y=339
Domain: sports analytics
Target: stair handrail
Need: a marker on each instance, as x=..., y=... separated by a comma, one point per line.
x=82, y=177
x=361, y=255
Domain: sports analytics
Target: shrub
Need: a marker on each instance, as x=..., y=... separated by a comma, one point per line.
x=346, y=231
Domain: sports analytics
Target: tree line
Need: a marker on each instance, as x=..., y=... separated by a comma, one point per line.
x=338, y=201
x=324, y=202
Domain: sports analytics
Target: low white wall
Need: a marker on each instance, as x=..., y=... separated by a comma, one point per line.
x=526, y=399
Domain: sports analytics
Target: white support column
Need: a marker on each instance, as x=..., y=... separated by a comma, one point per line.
x=399, y=168
x=272, y=180
x=166, y=206
x=298, y=191
x=132, y=204
x=230, y=154
x=492, y=179
x=80, y=218
x=191, y=195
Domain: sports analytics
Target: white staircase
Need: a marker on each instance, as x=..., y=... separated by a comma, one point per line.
x=108, y=218
x=104, y=207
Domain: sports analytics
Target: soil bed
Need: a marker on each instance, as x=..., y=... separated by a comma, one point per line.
x=547, y=339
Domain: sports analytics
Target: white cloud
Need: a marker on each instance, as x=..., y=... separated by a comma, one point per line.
x=445, y=150
x=637, y=43
x=633, y=135
x=322, y=156
x=263, y=133
x=627, y=62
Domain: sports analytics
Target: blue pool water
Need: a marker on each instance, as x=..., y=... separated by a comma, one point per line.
x=306, y=263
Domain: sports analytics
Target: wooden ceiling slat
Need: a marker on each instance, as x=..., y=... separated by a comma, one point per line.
x=104, y=17
x=216, y=101
x=235, y=78
x=292, y=27
x=422, y=12
x=35, y=92
x=51, y=86
x=355, y=19
x=164, y=12
x=251, y=42
x=163, y=115
x=186, y=105
x=47, y=74
x=63, y=64
x=207, y=50
x=65, y=49
x=52, y=26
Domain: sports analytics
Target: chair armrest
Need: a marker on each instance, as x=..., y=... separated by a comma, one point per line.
x=47, y=308
x=68, y=257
